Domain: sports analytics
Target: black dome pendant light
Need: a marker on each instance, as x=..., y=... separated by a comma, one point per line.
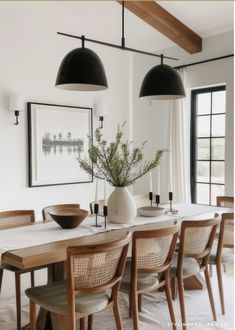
x=162, y=82
x=81, y=70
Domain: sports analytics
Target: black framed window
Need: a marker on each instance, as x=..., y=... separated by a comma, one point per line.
x=208, y=108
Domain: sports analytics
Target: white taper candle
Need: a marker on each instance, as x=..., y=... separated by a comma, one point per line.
x=105, y=198
x=96, y=190
x=158, y=180
x=150, y=182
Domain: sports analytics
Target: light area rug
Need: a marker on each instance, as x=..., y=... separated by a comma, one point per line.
x=154, y=315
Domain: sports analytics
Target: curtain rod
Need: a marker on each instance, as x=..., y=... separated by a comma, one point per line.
x=205, y=61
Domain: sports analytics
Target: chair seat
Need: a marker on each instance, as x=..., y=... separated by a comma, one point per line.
x=54, y=299
x=190, y=266
x=144, y=281
x=226, y=257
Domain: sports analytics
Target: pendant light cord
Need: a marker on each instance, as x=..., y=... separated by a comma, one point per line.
x=83, y=41
x=123, y=26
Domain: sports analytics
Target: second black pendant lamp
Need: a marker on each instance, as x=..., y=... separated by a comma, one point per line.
x=81, y=70
x=162, y=82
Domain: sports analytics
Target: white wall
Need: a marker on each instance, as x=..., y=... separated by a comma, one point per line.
x=30, y=56
x=152, y=122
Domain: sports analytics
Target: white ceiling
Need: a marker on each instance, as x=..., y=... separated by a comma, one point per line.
x=102, y=20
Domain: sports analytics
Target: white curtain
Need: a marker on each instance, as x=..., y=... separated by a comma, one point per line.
x=179, y=136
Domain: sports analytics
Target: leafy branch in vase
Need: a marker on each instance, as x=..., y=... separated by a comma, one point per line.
x=119, y=162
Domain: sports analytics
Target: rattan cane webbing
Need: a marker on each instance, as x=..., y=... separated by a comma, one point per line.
x=96, y=269
x=196, y=239
x=229, y=232
x=152, y=252
x=15, y=221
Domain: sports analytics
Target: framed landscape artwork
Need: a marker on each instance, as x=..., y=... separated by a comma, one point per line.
x=58, y=136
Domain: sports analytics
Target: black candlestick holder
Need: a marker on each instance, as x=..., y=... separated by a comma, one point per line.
x=157, y=200
x=96, y=211
x=151, y=198
x=97, y=214
x=171, y=210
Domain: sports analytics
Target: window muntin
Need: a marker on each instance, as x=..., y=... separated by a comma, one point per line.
x=208, y=144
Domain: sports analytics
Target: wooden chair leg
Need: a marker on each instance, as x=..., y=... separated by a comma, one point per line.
x=170, y=305
x=130, y=305
x=32, y=279
x=82, y=324
x=139, y=303
x=211, y=270
x=117, y=315
x=135, y=315
x=90, y=322
x=173, y=287
x=1, y=276
x=208, y=284
x=181, y=299
x=32, y=313
x=224, y=268
x=18, y=300
x=220, y=285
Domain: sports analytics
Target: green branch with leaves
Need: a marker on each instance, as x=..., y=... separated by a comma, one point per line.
x=119, y=162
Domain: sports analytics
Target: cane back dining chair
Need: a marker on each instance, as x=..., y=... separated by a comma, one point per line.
x=224, y=251
x=57, y=207
x=13, y=219
x=225, y=201
x=94, y=275
x=196, y=240
x=149, y=268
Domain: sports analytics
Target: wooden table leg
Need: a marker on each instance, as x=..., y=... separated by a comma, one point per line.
x=45, y=319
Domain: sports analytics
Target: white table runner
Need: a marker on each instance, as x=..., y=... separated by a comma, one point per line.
x=43, y=233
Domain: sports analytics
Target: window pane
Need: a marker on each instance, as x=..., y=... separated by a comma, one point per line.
x=216, y=191
x=203, y=126
x=202, y=193
x=217, y=172
x=203, y=171
x=218, y=125
x=203, y=103
x=203, y=149
x=218, y=149
x=218, y=102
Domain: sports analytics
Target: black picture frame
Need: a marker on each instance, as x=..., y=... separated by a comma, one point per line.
x=57, y=136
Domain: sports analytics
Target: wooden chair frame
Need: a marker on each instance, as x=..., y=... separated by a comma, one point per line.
x=226, y=217
x=17, y=272
x=135, y=294
x=220, y=200
x=203, y=259
x=112, y=285
x=58, y=207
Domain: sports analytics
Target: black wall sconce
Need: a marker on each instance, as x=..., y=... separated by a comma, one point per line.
x=16, y=105
x=101, y=112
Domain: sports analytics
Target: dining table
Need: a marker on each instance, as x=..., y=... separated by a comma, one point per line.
x=45, y=244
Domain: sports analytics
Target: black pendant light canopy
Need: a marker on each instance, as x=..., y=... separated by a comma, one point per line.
x=81, y=70
x=162, y=82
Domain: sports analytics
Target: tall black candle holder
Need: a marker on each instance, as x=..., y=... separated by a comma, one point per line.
x=97, y=214
x=171, y=210
x=151, y=198
x=157, y=200
x=96, y=211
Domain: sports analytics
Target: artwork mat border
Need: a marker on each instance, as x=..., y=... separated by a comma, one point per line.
x=30, y=142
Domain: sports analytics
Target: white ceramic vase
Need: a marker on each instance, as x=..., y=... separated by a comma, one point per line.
x=121, y=206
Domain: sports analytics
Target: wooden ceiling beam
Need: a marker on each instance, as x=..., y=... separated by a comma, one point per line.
x=160, y=19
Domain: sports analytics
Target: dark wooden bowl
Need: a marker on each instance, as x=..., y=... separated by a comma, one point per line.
x=69, y=218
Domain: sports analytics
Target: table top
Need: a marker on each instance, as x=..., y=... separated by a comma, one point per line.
x=45, y=243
